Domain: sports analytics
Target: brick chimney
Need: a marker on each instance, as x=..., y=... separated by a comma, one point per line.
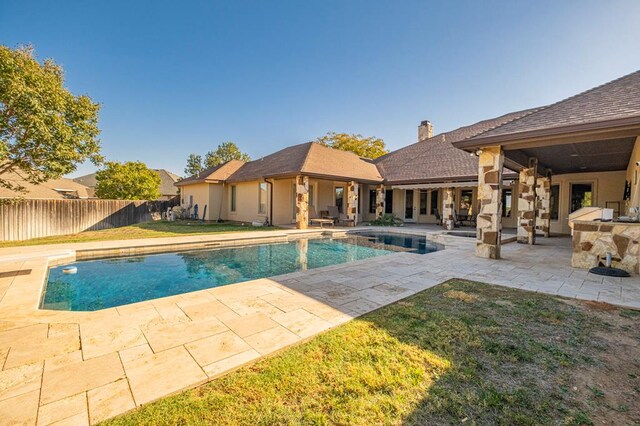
x=425, y=130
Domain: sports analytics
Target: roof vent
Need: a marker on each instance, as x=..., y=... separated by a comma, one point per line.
x=425, y=130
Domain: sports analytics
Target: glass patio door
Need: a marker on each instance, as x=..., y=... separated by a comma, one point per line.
x=409, y=206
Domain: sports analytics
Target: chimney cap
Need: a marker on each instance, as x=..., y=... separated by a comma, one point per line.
x=425, y=122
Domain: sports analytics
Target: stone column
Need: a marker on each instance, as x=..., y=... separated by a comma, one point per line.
x=447, y=208
x=302, y=202
x=380, y=200
x=352, y=202
x=489, y=226
x=527, y=206
x=543, y=205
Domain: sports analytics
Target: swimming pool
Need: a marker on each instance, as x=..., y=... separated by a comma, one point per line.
x=393, y=241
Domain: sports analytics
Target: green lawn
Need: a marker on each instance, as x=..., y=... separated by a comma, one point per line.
x=141, y=230
x=459, y=353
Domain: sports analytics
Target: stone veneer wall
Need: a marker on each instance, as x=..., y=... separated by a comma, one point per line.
x=543, y=205
x=302, y=202
x=380, y=200
x=352, y=202
x=592, y=241
x=447, y=206
x=526, y=233
x=489, y=226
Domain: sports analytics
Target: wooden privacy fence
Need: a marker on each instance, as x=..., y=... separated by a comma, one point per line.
x=26, y=219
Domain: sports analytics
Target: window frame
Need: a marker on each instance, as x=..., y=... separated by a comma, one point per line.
x=424, y=197
x=435, y=208
x=372, y=201
x=262, y=204
x=233, y=198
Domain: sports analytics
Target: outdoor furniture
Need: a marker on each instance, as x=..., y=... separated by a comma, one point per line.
x=438, y=217
x=456, y=219
x=334, y=213
x=313, y=218
x=345, y=219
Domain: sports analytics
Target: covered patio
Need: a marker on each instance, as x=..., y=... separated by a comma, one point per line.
x=591, y=143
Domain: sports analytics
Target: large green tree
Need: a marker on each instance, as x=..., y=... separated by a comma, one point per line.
x=45, y=131
x=370, y=147
x=194, y=165
x=132, y=180
x=226, y=151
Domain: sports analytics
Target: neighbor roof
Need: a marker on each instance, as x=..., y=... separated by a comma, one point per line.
x=616, y=102
x=167, y=181
x=213, y=174
x=435, y=159
x=51, y=189
x=310, y=159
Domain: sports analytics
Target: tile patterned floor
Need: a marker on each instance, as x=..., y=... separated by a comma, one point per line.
x=81, y=368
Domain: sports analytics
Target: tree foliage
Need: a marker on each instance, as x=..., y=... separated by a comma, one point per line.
x=127, y=181
x=370, y=147
x=45, y=131
x=226, y=151
x=194, y=165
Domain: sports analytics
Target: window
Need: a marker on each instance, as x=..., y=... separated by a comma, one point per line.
x=506, y=202
x=554, y=201
x=233, y=198
x=311, y=202
x=339, y=192
x=434, y=202
x=423, y=201
x=581, y=196
x=388, y=201
x=372, y=200
x=262, y=198
x=466, y=200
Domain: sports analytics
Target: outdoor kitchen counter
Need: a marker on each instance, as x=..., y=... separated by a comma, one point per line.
x=592, y=241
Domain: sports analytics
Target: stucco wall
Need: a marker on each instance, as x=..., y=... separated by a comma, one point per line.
x=633, y=176
x=607, y=186
x=200, y=194
x=246, y=202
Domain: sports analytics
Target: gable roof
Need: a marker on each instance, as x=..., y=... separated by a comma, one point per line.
x=51, y=189
x=213, y=174
x=310, y=159
x=167, y=181
x=435, y=159
x=615, y=102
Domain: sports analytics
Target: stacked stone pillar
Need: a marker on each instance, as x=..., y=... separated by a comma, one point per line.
x=447, y=208
x=352, y=202
x=489, y=227
x=526, y=233
x=380, y=200
x=543, y=205
x=302, y=202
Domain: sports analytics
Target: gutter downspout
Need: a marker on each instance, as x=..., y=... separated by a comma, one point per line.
x=270, y=201
x=221, y=199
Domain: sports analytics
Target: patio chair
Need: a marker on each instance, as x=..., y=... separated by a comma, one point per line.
x=456, y=219
x=314, y=218
x=436, y=212
x=345, y=219
x=334, y=213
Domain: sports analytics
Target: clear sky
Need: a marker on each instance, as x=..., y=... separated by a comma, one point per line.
x=178, y=77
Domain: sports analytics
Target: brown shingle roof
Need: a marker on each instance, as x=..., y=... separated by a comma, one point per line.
x=167, y=181
x=436, y=159
x=51, y=189
x=311, y=159
x=618, y=99
x=213, y=174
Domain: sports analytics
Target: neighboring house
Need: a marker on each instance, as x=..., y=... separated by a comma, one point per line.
x=167, y=183
x=51, y=189
x=436, y=173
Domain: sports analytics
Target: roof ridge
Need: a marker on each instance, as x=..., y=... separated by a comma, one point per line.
x=561, y=101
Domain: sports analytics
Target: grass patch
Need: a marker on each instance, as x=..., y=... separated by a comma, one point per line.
x=458, y=352
x=141, y=230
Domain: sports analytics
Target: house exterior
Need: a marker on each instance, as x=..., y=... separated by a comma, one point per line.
x=54, y=189
x=527, y=170
x=168, y=189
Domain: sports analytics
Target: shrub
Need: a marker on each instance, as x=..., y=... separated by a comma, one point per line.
x=387, y=220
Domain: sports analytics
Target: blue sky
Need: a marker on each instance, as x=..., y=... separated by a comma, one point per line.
x=180, y=77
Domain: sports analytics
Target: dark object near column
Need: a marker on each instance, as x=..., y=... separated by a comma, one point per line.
x=609, y=272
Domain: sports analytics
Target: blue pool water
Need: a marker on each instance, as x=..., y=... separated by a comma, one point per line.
x=400, y=242
x=106, y=283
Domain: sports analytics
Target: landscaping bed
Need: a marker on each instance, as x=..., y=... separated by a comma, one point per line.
x=460, y=352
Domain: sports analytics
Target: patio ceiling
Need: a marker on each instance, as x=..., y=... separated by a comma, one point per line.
x=577, y=157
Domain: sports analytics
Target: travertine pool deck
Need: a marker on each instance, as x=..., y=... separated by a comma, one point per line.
x=83, y=367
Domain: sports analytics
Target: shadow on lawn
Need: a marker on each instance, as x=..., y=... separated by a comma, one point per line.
x=513, y=357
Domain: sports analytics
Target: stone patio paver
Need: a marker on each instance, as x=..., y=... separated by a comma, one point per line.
x=71, y=410
x=163, y=373
x=121, y=357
